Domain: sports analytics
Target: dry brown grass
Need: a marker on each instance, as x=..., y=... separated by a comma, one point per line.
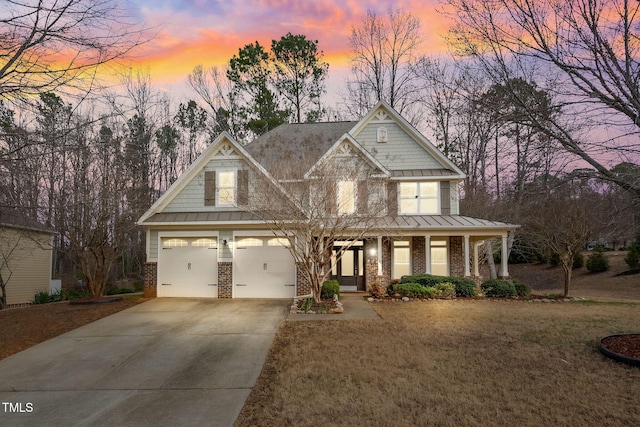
x=606, y=286
x=452, y=363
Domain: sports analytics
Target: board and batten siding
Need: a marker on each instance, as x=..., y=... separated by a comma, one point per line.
x=399, y=152
x=192, y=196
x=30, y=264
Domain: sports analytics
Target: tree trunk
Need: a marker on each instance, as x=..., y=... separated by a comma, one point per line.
x=567, y=266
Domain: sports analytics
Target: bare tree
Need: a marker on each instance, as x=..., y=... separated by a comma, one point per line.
x=587, y=47
x=213, y=88
x=322, y=206
x=46, y=45
x=382, y=51
x=561, y=222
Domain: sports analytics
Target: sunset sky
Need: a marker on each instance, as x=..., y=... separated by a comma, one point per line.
x=210, y=32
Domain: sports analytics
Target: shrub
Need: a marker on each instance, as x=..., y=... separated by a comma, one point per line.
x=597, y=262
x=41, y=297
x=522, y=289
x=578, y=260
x=633, y=256
x=464, y=287
x=498, y=288
x=446, y=290
x=329, y=289
x=411, y=290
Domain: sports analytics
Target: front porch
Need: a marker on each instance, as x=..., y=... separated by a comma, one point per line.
x=386, y=258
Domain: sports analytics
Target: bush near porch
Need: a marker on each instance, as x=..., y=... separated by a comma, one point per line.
x=464, y=287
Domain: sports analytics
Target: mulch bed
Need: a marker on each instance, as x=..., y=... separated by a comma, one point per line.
x=625, y=345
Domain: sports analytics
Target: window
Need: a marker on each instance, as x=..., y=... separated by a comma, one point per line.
x=346, y=197
x=205, y=243
x=419, y=198
x=439, y=257
x=226, y=188
x=401, y=259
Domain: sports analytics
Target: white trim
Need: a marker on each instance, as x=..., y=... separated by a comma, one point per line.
x=427, y=252
x=346, y=137
x=504, y=261
x=466, y=253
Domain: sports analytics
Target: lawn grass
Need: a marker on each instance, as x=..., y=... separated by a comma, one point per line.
x=451, y=363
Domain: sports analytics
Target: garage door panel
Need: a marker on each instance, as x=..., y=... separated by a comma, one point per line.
x=263, y=271
x=188, y=270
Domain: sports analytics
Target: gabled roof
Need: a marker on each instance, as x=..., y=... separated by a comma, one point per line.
x=290, y=150
x=410, y=130
x=197, y=166
x=348, y=139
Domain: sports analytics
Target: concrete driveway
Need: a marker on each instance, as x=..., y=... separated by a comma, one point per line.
x=165, y=362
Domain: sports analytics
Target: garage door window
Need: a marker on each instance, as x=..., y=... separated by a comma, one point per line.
x=205, y=243
x=174, y=243
x=249, y=241
x=278, y=241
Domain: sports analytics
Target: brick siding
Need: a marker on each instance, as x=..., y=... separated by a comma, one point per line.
x=456, y=266
x=303, y=287
x=418, y=255
x=150, y=279
x=225, y=279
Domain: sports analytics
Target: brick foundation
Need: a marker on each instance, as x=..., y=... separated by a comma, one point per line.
x=150, y=279
x=303, y=287
x=225, y=280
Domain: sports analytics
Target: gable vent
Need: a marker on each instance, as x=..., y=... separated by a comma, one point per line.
x=382, y=134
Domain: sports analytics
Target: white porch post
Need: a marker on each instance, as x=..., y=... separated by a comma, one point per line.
x=476, y=266
x=379, y=255
x=504, y=262
x=427, y=254
x=467, y=271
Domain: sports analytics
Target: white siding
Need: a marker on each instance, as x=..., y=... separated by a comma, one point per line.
x=153, y=245
x=400, y=152
x=30, y=264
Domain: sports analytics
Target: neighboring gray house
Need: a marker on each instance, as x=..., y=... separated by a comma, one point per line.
x=204, y=241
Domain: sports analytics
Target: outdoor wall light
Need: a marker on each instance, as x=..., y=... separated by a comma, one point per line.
x=224, y=242
x=373, y=252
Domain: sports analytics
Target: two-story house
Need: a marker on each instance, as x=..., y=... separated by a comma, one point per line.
x=205, y=237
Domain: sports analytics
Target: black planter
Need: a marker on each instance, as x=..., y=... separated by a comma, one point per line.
x=617, y=356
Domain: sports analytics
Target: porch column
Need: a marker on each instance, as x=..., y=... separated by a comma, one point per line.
x=467, y=271
x=379, y=255
x=427, y=254
x=476, y=267
x=504, y=262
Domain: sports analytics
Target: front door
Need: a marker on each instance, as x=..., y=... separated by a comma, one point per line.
x=349, y=269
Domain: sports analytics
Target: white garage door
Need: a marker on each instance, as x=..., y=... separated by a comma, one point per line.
x=263, y=268
x=188, y=267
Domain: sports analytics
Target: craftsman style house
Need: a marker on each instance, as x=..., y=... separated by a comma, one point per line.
x=204, y=239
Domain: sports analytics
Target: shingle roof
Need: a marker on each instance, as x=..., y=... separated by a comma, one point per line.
x=10, y=217
x=290, y=150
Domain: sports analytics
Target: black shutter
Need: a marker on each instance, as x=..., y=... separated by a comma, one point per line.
x=209, y=188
